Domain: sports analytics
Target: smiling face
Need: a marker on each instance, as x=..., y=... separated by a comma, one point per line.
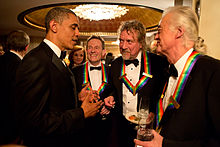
x=78, y=57
x=129, y=45
x=95, y=51
x=67, y=32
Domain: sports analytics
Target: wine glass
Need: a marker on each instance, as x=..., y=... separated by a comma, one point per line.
x=143, y=110
x=145, y=124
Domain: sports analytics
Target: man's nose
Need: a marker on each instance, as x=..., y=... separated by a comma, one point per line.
x=93, y=50
x=156, y=36
x=77, y=32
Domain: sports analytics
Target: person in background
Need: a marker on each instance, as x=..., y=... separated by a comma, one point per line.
x=17, y=43
x=109, y=58
x=1, y=50
x=135, y=77
x=188, y=114
x=94, y=72
x=46, y=102
x=77, y=57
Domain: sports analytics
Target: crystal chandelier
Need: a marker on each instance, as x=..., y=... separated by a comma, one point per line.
x=99, y=12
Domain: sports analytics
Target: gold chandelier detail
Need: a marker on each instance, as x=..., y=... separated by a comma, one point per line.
x=100, y=11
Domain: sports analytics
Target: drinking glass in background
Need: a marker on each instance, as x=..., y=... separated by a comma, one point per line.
x=145, y=123
x=96, y=99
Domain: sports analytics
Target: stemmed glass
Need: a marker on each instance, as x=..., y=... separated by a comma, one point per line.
x=145, y=124
x=97, y=98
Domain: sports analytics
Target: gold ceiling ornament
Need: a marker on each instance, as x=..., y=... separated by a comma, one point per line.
x=150, y=17
x=99, y=12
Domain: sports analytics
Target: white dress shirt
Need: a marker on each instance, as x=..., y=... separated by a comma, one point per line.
x=95, y=77
x=133, y=74
x=14, y=52
x=172, y=83
x=54, y=48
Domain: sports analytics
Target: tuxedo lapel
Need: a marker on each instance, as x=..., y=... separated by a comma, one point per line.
x=74, y=86
x=119, y=84
x=58, y=63
x=141, y=74
x=142, y=66
x=66, y=72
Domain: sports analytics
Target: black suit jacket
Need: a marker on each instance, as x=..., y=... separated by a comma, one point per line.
x=8, y=66
x=78, y=73
x=46, y=100
x=196, y=123
x=97, y=131
x=150, y=93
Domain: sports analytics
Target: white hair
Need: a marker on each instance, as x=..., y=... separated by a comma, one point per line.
x=185, y=17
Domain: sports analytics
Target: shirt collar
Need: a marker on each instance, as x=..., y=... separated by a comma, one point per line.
x=55, y=48
x=139, y=56
x=90, y=65
x=16, y=54
x=182, y=61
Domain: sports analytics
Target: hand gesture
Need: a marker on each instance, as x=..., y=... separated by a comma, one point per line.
x=104, y=111
x=109, y=102
x=84, y=92
x=89, y=107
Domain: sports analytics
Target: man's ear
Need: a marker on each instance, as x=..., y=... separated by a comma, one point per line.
x=180, y=32
x=103, y=53
x=53, y=26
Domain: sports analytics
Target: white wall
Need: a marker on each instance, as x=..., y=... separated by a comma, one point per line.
x=210, y=26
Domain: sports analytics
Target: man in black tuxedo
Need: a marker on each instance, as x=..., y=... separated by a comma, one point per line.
x=95, y=73
x=191, y=109
x=46, y=98
x=144, y=72
x=17, y=44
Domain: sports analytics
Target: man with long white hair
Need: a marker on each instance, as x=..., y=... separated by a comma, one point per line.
x=188, y=113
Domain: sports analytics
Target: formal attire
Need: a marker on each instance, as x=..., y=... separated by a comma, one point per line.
x=194, y=121
x=149, y=69
x=8, y=66
x=46, y=99
x=97, y=130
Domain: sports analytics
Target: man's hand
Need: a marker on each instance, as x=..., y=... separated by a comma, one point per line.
x=104, y=111
x=90, y=109
x=84, y=92
x=109, y=102
x=156, y=142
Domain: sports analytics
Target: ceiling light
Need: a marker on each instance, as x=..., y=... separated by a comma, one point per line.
x=99, y=12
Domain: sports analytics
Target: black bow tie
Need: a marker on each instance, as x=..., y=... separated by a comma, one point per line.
x=173, y=71
x=135, y=62
x=63, y=55
x=95, y=68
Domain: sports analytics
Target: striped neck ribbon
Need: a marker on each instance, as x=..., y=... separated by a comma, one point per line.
x=175, y=98
x=146, y=76
x=86, y=77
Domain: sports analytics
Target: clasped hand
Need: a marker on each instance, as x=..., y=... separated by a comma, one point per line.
x=90, y=108
x=94, y=98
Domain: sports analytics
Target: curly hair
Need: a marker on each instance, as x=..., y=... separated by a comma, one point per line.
x=134, y=25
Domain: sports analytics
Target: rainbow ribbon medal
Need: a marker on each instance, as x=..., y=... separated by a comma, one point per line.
x=175, y=98
x=86, y=77
x=146, y=76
